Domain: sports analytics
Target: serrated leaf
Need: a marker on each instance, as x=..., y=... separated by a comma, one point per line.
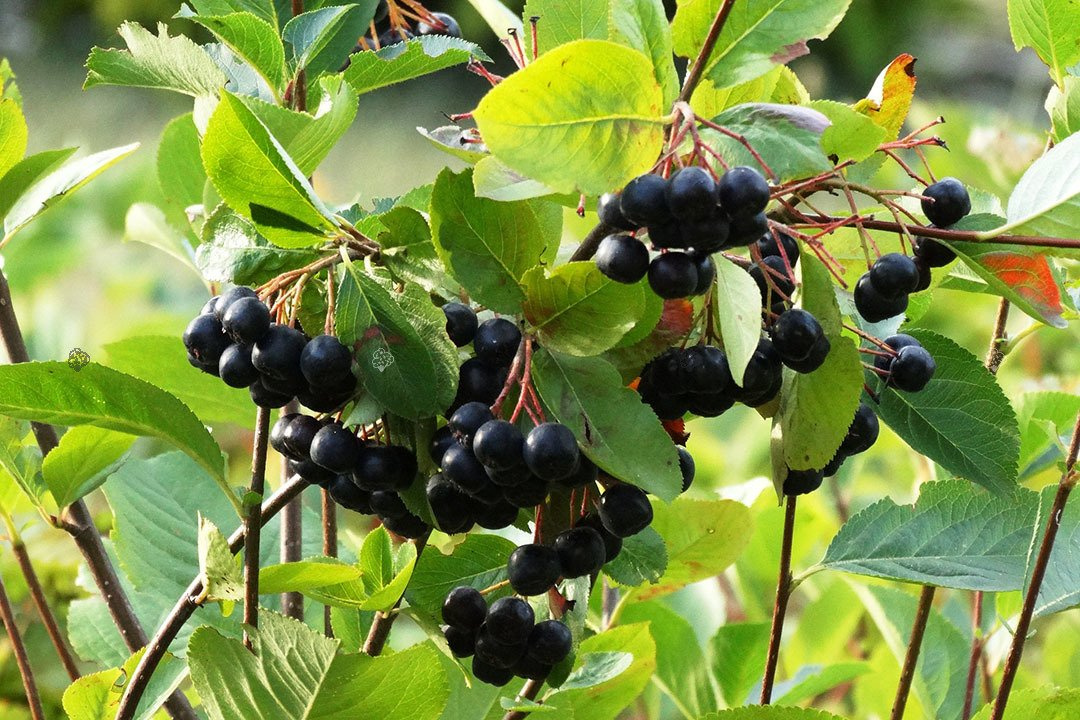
x=889, y=99
x=233, y=251
x=1060, y=589
x=252, y=39
x=223, y=579
x=26, y=172
x=788, y=138
x=1063, y=106
x=1046, y=703
x=1048, y=27
x=82, y=461
x=320, y=40
x=20, y=461
x=737, y=301
x=578, y=310
x=13, y=134
x=493, y=179
x=254, y=175
x=643, y=25
x=643, y=558
x=162, y=62
x=954, y=536
x=852, y=135
x=409, y=253
x=263, y=9
x=960, y=420
x=1044, y=417
x=587, y=395
x=1046, y=200
x=305, y=575
x=59, y=184
x=757, y=36
x=96, y=696
x=179, y=166
x=487, y=245
x=814, y=680
x=373, y=69
x=738, y=658
x=96, y=395
x=564, y=22
x=479, y=562
x=593, y=95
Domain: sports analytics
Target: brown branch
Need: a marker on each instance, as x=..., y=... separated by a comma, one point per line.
x=957, y=235
x=189, y=602
x=17, y=647
x=253, y=522
x=329, y=546
x=1016, y=650
x=783, y=592
x=995, y=353
x=379, y=632
x=693, y=75
x=529, y=691
x=907, y=672
x=42, y=605
x=589, y=245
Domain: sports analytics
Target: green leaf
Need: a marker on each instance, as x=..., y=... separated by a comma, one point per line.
x=96, y=696
x=498, y=17
x=408, y=252
x=146, y=223
x=25, y=173
x=737, y=300
x=451, y=139
x=738, y=658
x=1046, y=703
x=954, y=536
x=788, y=138
x=320, y=40
x=1046, y=201
x=702, y=537
x=1063, y=106
x=757, y=36
x=771, y=712
x=1044, y=419
x=59, y=184
x=233, y=251
x=564, y=22
x=577, y=310
x=1060, y=589
x=222, y=575
x=851, y=135
x=779, y=85
x=479, y=562
x=20, y=461
x=430, y=324
x=643, y=558
x=643, y=25
x=494, y=180
x=253, y=40
x=960, y=420
x=1048, y=27
x=305, y=575
x=96, y=395
x=597, y=668
x=814, y=680
x=384, y=576
x=587, y=395
x=79, y=465
x=295, y=672
x=161, y=360
x=592, y=95
x=167, y=63
x=254, y=175
x=486, y=245
x=263, y=9
x=180, y=171
x=370, y=70
x=13, y=134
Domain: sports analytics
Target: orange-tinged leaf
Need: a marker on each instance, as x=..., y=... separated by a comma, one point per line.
x=1027, y=275
x=890, y=99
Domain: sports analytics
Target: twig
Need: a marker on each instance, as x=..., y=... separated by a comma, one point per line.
x=253, y=522
x=529, y=691
x=995, y=354
x=27, y=673
x=693, y=75
x=907, y=672
x=292, y=538
x=42, y=605
x=783, y=592
x=958, y=235
x=329, y=545
x=379, y=632
x=589, y=245
x=1016, y=650
x=189, y=603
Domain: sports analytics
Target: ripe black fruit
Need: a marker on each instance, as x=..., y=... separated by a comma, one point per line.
x=461, y=466
x=266, y=397
x=900, y=340
x=498, y=445
x=933, y=253
x=625, y=510
x=448, y=25
x=862, y=433
x=761, y=374
x=768, y=246
x=612, y=543
x=801, y=482
x=777, y=274
x=479, y=382
x=490, y=674
x=946, y=202
x=205, y=339
x=706, y=273
x=462, y=642
x=549, y=642
x=748, y=229
x=585, y=474
x=246, y=320
x=550, y=451
x=673, y=275
x=335, y=449
x=893, y=275
x=509, y=620
x=912, y=369
x=815, y=359
x=235, y=368
x=496, y=341
x=875, y=307
x=277, y=353
x=644, y=200
x=528, y=493
x=743, y=192
x=529, y=669
x=707, y=235
x=394, y=36
x=277, y=434
x=440, y=443
x=581, y=551
x=299, y=434
x=622, y=258
x=667, y=235
x=496, y=654
x=450, y=506
x=325, y=361
x=461, y=323
x=345, y=493
x=408, y=525
x=385, y=468
x=467, y=419
x=691, y=193
x=388, y=504
x=496, y=516
x=687, y=467
x=230, y=296
x=794, y=334
x=533, y=569
x=607, y=208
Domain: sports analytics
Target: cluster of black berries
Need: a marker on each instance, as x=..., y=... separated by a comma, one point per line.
x=440, y=24
x=909, y=367
x=771, y=273
x=689, y=216
x=505, y=640
x=363, y=477
x=861, y=435
x=234, y=339
x=495, y=342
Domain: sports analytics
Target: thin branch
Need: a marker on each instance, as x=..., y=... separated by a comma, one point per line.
x=379, y=632
x=189, y=603
x=783, y=592
x=958, y=235
x=329, y=546
x=693, y=75
x=292, y=536
x=42, y=605
x=529, y=691
x=32, y=697
x=907, y=672
x=995, y=354
x=253, y=522
x=589, y=245
x=1016, y=650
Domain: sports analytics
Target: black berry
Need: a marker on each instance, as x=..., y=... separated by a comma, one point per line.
x=550, y=451
x=235, y=368
x=801, y=482
x=706, y=273
x=246, y=320
x=687, y=467
x=450, y=506
x=496, y=654
x=862, y=433
x=479, y=382
x=622, y=258
x=607, y=208
x=912, y=369
x=344, y=492
x=747, y=229
x=440, y=443
x=691, y=193
x=509, y=620
x=549, y=642
x=227, y=298
x=385, y=468
x=498, y=445
x=644, y=200
x=768, y=246
x=461, y=323
x=933, y=253
x=490, y=674
x=625, y=510
x=205, y=339
x=533, y=569
x=900, y=340
x=266, y=397
x=873, y=306
x=794, y=334
x=277, y=353
x=325, y=361
x=612, y=543
x=461, y=467
x=467, y=419
x=581, y=551
x=277, y=433
x=497, y=341
x=462, y=642
x=299, y=434
x=446, y=25
x=335, y=449
x=893, y=275
x=585, y=474
x=673, y=275
x=743, y=192
x=387, y=504
x=946, y=202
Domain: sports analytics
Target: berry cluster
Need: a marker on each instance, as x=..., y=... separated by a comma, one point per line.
x=909, y=367
x=688, y=217
x=432, y=23
x=495, y=342
x=505, y=640
x=234, y=338
x=778, y=252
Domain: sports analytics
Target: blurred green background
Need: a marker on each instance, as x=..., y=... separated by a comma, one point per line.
x=78, y=284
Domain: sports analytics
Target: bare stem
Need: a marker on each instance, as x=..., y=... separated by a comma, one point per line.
x=189, y=602
x=379, y=632
x=32, y=698
x=976, y=654
x=907, y=672
x=292, y=538
x=958, y=235
x=329, y=546
x=253, y=522
x=996, y=352
x=1016, y=650
x=589, y=245
x=42, y=605
x=529, y=691
x=783, y=592
x=693, y=75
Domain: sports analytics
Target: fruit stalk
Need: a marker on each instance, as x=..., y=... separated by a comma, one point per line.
x=253, y=522
x=189, y=602
x=27, y=673
x=783, y=592
x=1016, y=650
x=907, y=673
x=693, y=75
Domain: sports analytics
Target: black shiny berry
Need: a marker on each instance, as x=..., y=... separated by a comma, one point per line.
x=335, y=449
x=205, y=339
x=772, y=278
x=801, y=482
x=549, y=642
x=385, y=468
x=490, y=674
x=625, y=510
x=496, y=516
x=246, y=320
x=266, y=397
x=743, y=191
x=277, y=353
x=497, y=341
x=387, y=504
x=911, y=369
x=533, y=569
x=612, y=543
x=467, y=419
x=509, y=620
x=763, y=371
x=277, y=434
x=873, y=306
x=499, y=445
x=946, y=202
x=344, y=492
x=461, y=323
x=585, y=474
x=691, y=193
x=687, y=467
x=325, y=361
x=441, y=441
x=528, y=493
x=227, y=298
x=900, y=340
x=862, y=433
x=462, y=642
x=607, y=208
x=644, y=200
x=408, y=526
x=446, y=25
x=496, y=654
x=768, y=246
x=550, y=451
x=747, y=229
x=707, y=235
x=933, y=253
x=235, y=368
x=794, y=334
x=673, y=275
x=814, y=359
x=479, y=381
x=312, y=472
x=706, y=273
x=461, y=467
x=666, y=235
x=451, y=507
x=581, y=551
x=893, y=275
x=299, y=434
x=622, y=258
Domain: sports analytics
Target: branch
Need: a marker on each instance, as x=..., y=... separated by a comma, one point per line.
x=693, y=75
x=907, y=673
x=1012, y=662
x=529, y=691
x=783, y=592
x=42, y=605
x=329, y=546
x=189, y=603
x=253, y=522
x=957, y=235
x=32, y=698
x=589, y=245
x=384, y=621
